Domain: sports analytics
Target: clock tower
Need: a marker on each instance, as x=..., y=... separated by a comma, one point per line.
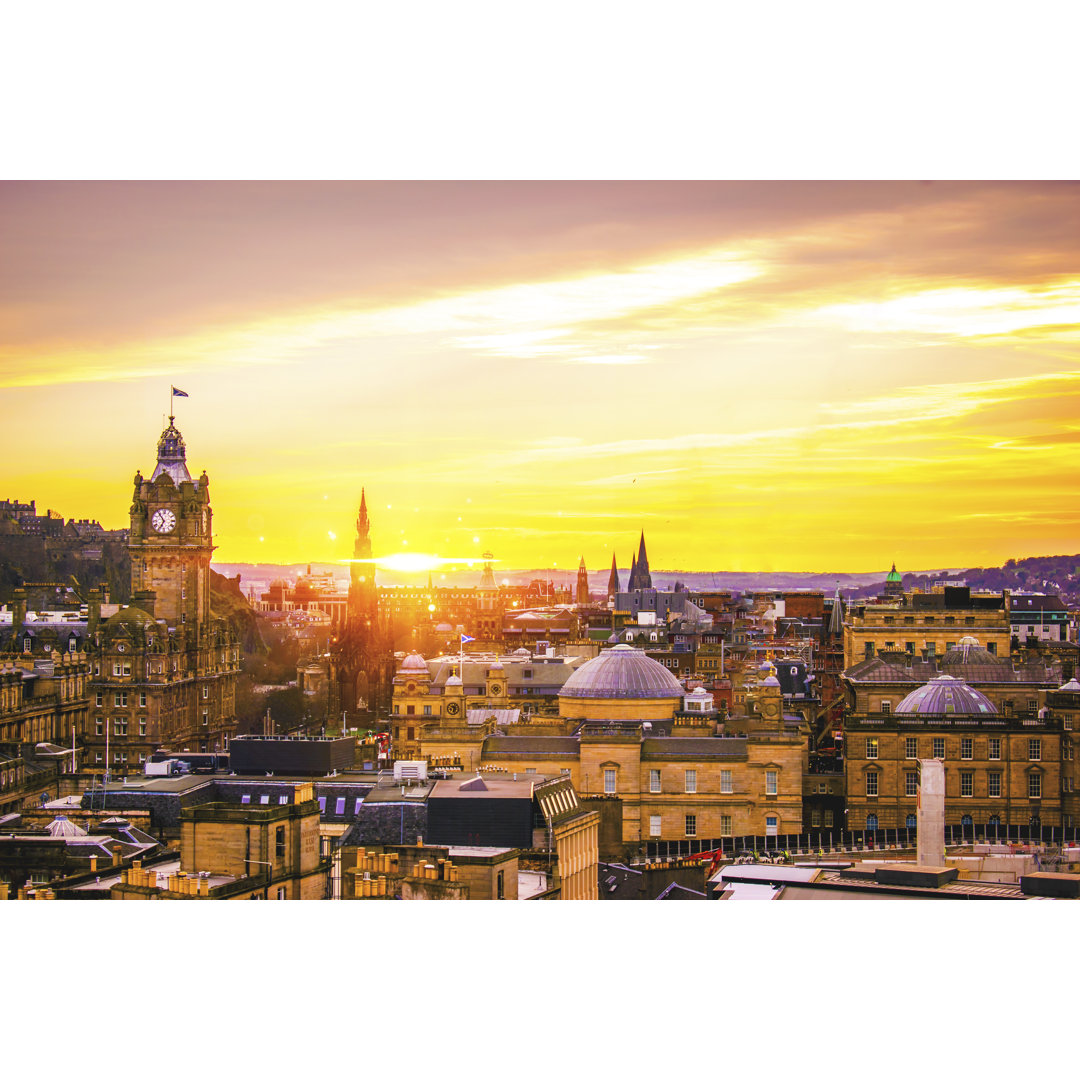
x=171, y=540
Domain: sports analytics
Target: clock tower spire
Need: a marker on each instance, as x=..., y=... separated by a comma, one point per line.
x=170, y=539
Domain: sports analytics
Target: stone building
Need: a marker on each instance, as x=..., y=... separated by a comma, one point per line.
x=165, y=669
x=635, y=749
x=1000, y=770
x=278, y=844
x=472, y=691
x=927, y=624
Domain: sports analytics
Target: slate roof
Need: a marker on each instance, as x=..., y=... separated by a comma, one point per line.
x=1023, y=603
x=676, y=746
x=531, y=745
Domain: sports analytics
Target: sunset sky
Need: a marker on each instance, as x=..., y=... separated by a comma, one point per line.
x=762, y=376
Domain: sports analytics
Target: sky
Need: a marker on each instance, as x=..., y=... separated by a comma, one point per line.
x=761, y=376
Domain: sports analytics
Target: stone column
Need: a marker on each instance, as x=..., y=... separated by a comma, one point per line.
x=930, y=842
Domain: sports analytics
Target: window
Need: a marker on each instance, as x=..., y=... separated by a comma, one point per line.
x=500, y=887
x=97, y=699
x=815, y=819
x=770, y=782
x=264, y=800
x=886, y=707
x=871, y=784
x=909, y=822
x=654, y=825
x=654, y=781
x=725, y=824
x=283, y=800
x=691, y=781
x=993, y=785
x=205, y=692
x=828, y=819
x=356, y=808
x=97, y=757
x=966, y=779
x=142, y=759
x=609, y=781
x=322, y=804
x=911, y=783
x=911, y=748
x=994, y=749
x=142, y=726
x=1034, y=749
x=691, y=825
x=279, y=842
x=772, y=823
x=725, y=782
x=142, y=699
x=205, y=718
x=427, y=710
x=339, y=806
x=871, y=748
x=245, y=800
x=991, y=648
x=281, y=893
x=120, y=725
x=871, y=822
x=120, y=700
x=1034, y=785
x=71, y=644
x=410, y=710
x=99, y=726
x=965, y=749
x=27, y=644
x=939, y=748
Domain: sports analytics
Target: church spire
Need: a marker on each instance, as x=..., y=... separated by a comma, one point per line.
x=582, y=583
x=643, y=565
x=613, y=581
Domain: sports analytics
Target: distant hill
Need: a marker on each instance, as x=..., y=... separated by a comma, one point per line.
x=1047, y=573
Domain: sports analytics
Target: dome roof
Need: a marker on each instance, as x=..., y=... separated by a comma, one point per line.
x=63, y=826
x=947, y=695
x=622, y=672
x=1072, y=686
x=415, y=663
x=522, y=652
x=968, y=651
x=130, y=616
x=894, y=576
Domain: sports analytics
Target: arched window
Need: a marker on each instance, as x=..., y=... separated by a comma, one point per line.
x=994, y=822
x=910, y=822
x=965, y=821
x=871, y=822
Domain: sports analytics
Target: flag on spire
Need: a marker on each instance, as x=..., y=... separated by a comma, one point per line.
x=179, y=393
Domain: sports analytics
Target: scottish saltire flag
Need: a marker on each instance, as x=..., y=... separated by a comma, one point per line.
x=178, y=393
x=465, y=637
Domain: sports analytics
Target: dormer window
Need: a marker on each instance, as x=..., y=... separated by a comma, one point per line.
x=27, y=645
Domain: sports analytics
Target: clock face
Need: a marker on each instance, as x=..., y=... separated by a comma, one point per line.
x=496, y=689
x=452, y=708
x=163, y=521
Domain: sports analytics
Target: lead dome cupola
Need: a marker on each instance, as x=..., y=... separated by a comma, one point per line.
x=622, y=672
x=946, y=694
